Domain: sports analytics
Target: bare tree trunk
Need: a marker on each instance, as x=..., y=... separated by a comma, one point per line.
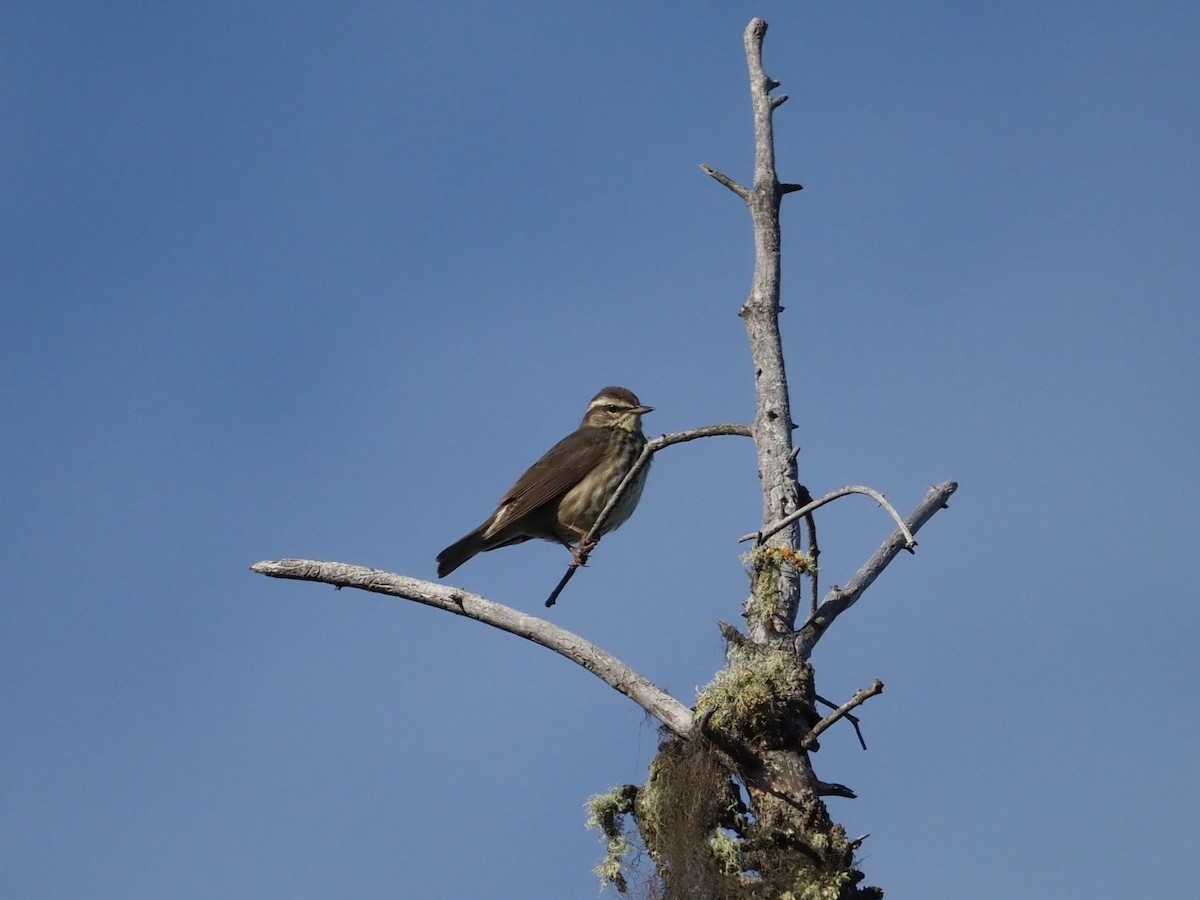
x=738, y=811
x=773, y=421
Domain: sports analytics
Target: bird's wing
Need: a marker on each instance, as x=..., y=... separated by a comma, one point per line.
x=562, y=467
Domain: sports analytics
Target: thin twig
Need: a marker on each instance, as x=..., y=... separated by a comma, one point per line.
x=814, y=551
x=602, y=664
x=562, y=583
x=859, y=698
x=814, y=569
x=775, y=527
x=588, y=543
x=850, y=717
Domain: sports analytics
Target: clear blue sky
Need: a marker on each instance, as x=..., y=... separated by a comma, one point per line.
x=320, y=280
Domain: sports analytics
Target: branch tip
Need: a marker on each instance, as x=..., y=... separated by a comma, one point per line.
x=562, y=583
x=832, y=789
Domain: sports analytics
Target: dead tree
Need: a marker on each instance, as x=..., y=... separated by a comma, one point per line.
x=732, y=807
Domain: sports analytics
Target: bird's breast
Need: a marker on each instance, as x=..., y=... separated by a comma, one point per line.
x=582, y=504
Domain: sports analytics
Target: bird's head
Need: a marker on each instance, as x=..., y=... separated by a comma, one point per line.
x=616, y=407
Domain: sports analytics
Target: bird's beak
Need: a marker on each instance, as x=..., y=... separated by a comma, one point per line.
x=642, y=410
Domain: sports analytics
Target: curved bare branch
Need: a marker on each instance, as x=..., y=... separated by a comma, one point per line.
x=599, y=662
x=787, y=520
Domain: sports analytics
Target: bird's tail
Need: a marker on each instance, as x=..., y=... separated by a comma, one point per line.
x=460, y=551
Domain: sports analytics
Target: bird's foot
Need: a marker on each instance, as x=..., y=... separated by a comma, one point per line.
x=579, y=555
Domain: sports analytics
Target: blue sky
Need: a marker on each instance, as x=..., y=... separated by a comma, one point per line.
x=320, y=280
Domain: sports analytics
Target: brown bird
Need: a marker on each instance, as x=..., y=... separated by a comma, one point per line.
x=559, y=496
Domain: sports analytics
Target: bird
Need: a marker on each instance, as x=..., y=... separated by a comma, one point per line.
x=560, y=496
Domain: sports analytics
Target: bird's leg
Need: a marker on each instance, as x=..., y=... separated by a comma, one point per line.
x=578, y=557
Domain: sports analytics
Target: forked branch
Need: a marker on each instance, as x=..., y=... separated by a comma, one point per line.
x=838, y=600
x=859, y=698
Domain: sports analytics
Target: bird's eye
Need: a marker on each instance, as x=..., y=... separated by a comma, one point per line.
x=612, y=407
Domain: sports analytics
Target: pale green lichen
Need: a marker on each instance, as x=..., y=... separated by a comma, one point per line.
x=610, y=869
x=606, y=812
x=812, y=886
x=827, y=887
x=747, y=697
x=727, y=851
x=766, y=565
